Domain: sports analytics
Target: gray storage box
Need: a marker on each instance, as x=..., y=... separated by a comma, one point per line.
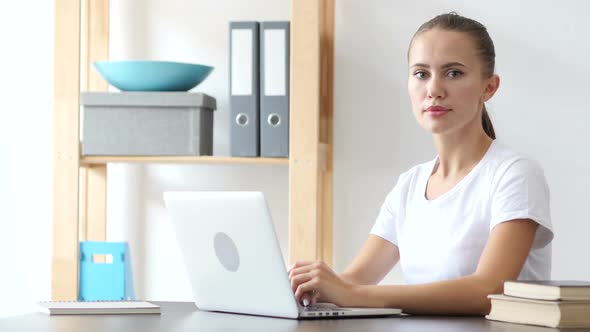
x=147, y=123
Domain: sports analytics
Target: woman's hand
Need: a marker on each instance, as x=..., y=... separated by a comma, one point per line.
x=316, y=282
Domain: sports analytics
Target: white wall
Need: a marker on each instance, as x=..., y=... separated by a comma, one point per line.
x=540, y=110
x=26, y=89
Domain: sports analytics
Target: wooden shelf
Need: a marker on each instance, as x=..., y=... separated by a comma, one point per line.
x=80, y=182
x=100, y=160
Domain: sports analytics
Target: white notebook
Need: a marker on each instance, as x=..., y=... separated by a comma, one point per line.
x=98, y=307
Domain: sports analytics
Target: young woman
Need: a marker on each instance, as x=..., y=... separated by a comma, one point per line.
x=461, y=224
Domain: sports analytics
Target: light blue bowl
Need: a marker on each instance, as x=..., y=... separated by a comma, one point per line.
x=152, y=75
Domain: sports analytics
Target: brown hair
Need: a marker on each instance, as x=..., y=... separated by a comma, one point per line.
x=484, y=44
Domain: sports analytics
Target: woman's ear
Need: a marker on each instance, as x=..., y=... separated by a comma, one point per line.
x=492, y=85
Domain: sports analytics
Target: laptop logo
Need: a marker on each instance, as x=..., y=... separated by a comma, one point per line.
x=226, y=251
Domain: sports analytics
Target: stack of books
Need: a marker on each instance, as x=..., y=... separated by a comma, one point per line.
x=554, y=303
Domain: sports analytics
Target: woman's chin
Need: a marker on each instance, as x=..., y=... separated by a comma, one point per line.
x=438, y=128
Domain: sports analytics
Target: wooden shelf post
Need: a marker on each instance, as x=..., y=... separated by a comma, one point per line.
x=66, y=151
x=310, y=150
x=79, y=193
x=93, y=178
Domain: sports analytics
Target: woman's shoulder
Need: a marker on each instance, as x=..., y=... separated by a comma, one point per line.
x=408, y=181
x=503, y=159
x=412, y=174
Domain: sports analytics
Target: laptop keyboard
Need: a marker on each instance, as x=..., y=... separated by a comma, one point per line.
x=323, y=308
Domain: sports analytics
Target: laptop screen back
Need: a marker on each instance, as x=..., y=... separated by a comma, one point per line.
x=231, y=253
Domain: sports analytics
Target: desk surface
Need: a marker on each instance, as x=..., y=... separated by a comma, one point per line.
x=182, y=316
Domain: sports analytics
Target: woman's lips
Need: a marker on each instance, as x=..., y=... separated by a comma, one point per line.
x=437, y=111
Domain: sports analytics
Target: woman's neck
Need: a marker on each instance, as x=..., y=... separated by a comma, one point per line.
x=459, y=153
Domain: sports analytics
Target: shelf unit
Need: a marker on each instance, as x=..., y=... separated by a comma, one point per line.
x=79, y=183
x=100, y=160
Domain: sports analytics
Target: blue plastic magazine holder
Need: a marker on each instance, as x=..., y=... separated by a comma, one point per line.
x=105, y=272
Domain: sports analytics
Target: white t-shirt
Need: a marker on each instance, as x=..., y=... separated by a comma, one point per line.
x=443, y=238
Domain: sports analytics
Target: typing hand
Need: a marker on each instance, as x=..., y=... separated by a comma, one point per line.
x=315, y=281
x=309, y=298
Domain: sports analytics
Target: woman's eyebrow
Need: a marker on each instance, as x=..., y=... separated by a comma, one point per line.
x=445, y=66
x=420, y=65
x=453, y=64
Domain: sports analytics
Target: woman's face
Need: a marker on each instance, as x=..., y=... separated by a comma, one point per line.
x=446, y=84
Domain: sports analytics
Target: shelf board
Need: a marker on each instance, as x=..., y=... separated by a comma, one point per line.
x=99, y=160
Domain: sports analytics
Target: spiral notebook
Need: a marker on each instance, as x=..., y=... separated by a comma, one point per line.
x=98, y=307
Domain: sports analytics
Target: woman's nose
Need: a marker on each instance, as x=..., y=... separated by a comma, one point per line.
x=435, y=88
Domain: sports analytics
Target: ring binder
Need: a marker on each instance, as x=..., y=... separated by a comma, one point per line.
x=274, y=89
x=244, y=100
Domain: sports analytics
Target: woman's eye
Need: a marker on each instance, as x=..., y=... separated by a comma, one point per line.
x=420, y=75
x=454, y=73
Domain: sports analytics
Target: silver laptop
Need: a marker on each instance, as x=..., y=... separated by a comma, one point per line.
x=233, y=259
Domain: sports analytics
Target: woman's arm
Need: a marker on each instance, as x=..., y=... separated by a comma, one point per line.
x=503, y=257
x=376, y=258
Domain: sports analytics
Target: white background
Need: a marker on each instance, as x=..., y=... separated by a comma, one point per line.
x=540, y=109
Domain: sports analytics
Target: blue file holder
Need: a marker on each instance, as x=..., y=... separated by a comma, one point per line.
x=111, y=280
